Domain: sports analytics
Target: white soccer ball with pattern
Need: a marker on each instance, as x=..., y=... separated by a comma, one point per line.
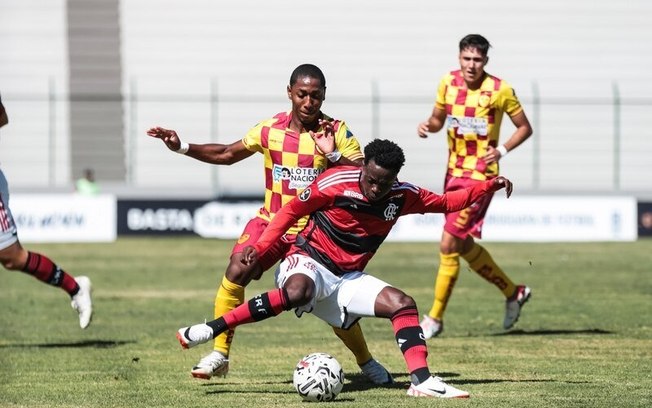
x=318, y=377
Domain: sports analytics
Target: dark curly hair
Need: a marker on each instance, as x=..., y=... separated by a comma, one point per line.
x=385, y=153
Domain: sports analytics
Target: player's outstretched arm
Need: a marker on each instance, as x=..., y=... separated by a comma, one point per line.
x=460, y=199
x=213, y=153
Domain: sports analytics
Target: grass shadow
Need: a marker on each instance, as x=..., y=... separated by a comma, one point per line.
x=360, y=382
x=102, y=344
x=506, y=380
x=551, y=332
x=354, y=382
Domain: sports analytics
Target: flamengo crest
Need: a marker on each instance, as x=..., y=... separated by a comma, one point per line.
x=390, y=212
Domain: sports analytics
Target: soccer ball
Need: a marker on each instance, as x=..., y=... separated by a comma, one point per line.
x=318, y=377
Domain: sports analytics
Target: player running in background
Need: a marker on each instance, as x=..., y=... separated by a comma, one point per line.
x=352, y=210
x=301, y=142
x=16, y=258
x=471, y=103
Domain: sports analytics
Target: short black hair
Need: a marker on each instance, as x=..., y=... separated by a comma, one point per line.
x=475, y=41
x=307, y=70
x=385, y=154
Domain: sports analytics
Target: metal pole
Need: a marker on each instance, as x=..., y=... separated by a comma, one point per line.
x=616, y=104
x=375, y=110
x=213, y=133
x=536, y=123
x=131, y=139
x=52, y=133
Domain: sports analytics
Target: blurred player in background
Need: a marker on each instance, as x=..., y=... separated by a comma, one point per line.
x=297, y=145
x=16, y=258
x=471, y=103
x=86, y=184
x=352, y=210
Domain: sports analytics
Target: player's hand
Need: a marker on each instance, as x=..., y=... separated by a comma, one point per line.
x=501, y=182
x=422, y=130
x=249, y=256
x=168, y=136
x=492, y=155
x=325, y=140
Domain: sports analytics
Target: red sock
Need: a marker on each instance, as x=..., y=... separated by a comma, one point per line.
x=409, y=337
x=259, y=308
x=43, y=269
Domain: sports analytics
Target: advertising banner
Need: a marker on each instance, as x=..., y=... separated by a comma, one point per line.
x=538, y=219
x=157, y=217
x=209, y=219
x=64, y=217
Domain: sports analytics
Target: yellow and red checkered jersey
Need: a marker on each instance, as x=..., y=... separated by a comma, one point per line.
x=473, y=120
x=292, y=160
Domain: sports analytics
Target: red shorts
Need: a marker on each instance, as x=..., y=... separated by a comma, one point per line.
x=468, y=221
x=252, y=231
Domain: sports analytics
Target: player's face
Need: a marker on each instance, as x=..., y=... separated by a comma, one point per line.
x=375, y=181
x=307, y=95
x=472, y=64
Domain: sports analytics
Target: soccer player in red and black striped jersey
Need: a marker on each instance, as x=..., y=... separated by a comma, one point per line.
x=470, y=103
x=297, y=146
x=352, y=210
x=16, y=258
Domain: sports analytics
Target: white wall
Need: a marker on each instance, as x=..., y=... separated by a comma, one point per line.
x=247, y=49
x=33, y=61
x=567, y=49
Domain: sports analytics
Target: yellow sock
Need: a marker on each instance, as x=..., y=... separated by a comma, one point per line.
x=229, y=296
x=449, y=270
x=481, y=262
x=354, y=340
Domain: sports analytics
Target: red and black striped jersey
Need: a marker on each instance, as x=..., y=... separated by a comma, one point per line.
x=345, y=229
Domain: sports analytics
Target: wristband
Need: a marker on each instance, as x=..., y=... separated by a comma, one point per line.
x=333, y=156
x=503, y=150
x=184, y=148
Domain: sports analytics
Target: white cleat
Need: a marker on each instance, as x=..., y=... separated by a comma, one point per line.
x=214, y=364
x=82, y=303
x=435, y=387
x=431, y=327
x=191, y=336
x=376, y=372
x=514, y=305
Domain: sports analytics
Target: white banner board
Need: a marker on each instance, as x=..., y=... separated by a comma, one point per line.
x=224, y=220
x=538, y=219
x=64, y=217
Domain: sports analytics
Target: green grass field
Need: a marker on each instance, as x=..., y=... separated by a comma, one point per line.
x=584, y=339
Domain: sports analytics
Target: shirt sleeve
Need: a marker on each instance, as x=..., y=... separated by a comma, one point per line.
x=252, y=140
x=347, y=143
x=508, y=101
x=429, y=202
x=440, y=102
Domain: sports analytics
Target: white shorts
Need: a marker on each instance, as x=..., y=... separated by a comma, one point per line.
x=8, y=235
x=339, y=300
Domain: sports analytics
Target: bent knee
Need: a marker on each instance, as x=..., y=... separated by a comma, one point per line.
x=404, y=301
x=300, y=291
x=239, y=273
